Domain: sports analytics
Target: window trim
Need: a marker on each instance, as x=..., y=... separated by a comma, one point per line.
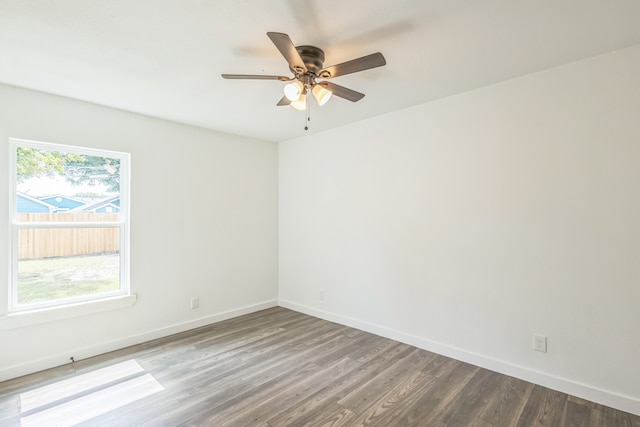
x=25, y=318
x=123, y=225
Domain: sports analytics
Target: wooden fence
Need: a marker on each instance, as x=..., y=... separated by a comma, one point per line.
x=34, y=243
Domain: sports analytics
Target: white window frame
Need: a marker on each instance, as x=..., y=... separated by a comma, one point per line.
x=122, y=225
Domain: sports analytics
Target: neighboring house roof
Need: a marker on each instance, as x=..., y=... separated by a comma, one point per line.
x=108, y=208
x=61, y=201
x=100, y=205
x=28, y=204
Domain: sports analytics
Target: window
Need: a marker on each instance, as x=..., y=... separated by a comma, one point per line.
x=69, y=221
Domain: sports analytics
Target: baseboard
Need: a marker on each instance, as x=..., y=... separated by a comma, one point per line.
x=584, y=391
x=52, y=361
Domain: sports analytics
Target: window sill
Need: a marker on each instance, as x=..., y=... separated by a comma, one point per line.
x=34, y=317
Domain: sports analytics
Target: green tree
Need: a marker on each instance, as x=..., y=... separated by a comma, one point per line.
x=76, y=168
x=32, y=162
x=92, y=170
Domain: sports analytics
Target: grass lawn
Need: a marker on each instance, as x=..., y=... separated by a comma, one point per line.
x=64, y=277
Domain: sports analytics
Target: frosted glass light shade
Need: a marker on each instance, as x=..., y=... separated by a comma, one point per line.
x=321, y=94
x=293, y=90
x=300, y=103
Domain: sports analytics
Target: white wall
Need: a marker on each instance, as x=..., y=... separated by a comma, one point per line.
x=203, y=223
x=467, y=224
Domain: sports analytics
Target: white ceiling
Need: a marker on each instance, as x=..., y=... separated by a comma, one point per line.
x=164, y=58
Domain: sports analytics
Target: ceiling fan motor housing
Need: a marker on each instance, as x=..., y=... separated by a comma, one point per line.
x=313, y=58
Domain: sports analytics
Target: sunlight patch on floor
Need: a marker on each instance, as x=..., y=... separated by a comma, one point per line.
x=73, y=410
x=67, y=388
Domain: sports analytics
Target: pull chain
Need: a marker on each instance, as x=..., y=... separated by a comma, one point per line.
x=306, y=116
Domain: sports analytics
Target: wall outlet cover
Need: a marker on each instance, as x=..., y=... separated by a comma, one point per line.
x=540, y=343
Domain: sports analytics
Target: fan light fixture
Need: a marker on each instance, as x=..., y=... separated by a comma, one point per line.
x=301, y=102
x=296, y=93
x=294, y=90
x=321, y=93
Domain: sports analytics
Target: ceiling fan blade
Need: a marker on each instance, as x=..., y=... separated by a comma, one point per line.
x=364, y=63
x=288, y=50
x=283, y=101
x=342, y=91
x=255, y=77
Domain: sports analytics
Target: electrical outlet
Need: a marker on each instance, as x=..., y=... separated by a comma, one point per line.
x=195, y=302
x=540, y=343
x=321, y=295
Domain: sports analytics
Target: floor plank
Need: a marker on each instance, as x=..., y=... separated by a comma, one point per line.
x=278, y=368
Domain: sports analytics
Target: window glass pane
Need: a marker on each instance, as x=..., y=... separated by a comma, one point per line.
x=70, y=224
x=62, y=263
x=56, y=186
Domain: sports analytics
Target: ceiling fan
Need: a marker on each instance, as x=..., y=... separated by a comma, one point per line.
x=307, y=65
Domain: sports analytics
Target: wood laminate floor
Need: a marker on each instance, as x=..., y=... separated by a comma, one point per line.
x=281, y=368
